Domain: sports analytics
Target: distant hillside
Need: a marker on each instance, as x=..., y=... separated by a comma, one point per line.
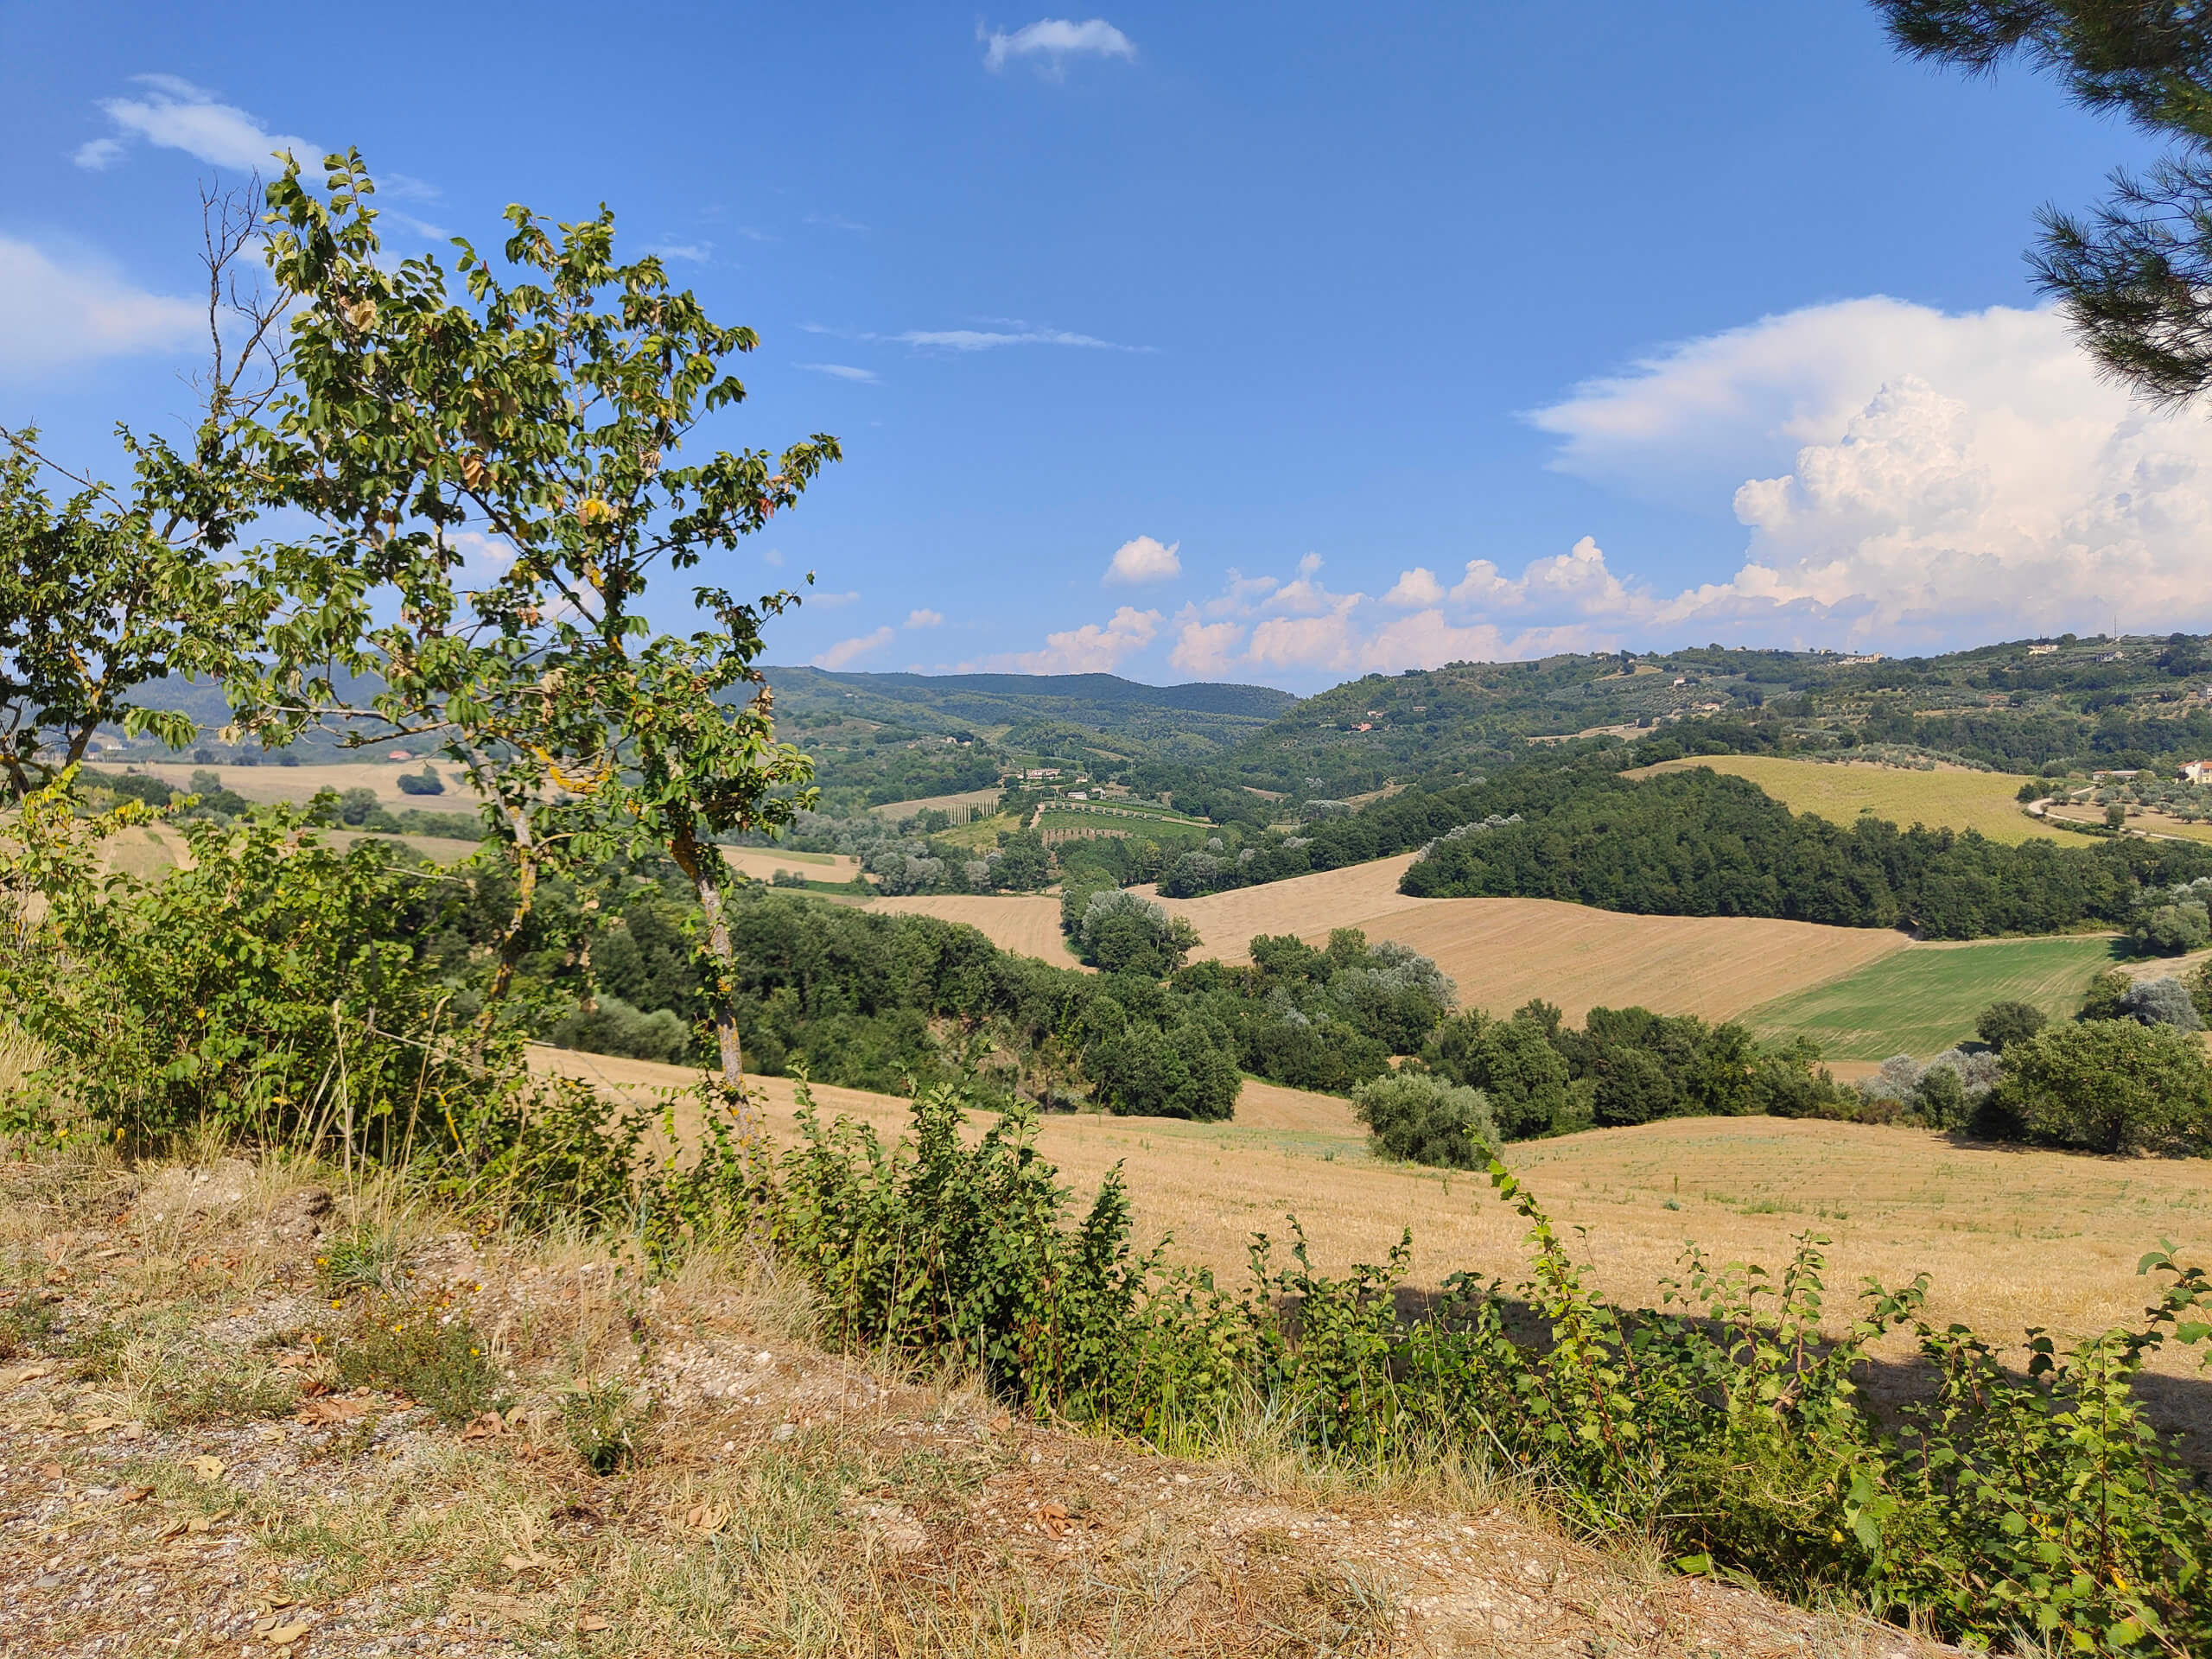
x=978, y=696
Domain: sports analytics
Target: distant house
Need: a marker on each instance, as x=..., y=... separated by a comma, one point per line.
x=1364, y=726
x=1859, y=662
x=2197, y=771
x=2041, y=651
x=2112, y=657
x=2100, y=776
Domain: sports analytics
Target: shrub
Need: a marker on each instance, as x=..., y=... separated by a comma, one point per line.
x=2162, y=1002
x=787, y=878
x=1419, y=1119
x=425, y=781
x=426, y=1351
x=2009, y=1022
x=2112, y=1086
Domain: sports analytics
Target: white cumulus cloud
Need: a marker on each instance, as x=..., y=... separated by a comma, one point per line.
x=924, y=619
x=1943, y=478
x=173, y=114
x=1144, y=560
x=1094, y=648
x=846, y=650
x=1053, y=41
x=58, y=309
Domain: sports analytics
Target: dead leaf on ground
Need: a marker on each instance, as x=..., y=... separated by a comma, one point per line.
x=101, y=1425
x=207, y=1468
x=319, y=1413
x=134, y=1494
x=706, y=1518
x=28, y=1373
x=587, y=1623
x=285, y=1635
x=484, y=1426
x=1055, y=1520
x=515, y=1563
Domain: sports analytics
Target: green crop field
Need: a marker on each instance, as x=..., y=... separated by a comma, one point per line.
x=1921, y=1000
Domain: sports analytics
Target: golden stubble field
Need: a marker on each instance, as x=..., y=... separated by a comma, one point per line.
x=1953, y=797
x=1027, y=923
x=2012, y=1238
x=1503, y=951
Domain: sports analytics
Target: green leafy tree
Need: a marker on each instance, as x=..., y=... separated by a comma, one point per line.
x=537, y=421
x=2131, y=274
x=107, y=589
x=2112, y=1086
x=2007, y=1022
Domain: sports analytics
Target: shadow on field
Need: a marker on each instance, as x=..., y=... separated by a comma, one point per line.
x=2179, y=1407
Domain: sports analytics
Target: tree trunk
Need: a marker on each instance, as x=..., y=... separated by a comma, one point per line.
x=702, y=869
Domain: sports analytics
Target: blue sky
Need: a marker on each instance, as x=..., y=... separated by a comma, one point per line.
x=1270, y=343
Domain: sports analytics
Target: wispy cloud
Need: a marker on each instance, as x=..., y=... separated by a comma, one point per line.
x=924, y=619
x=1008, y=332
x=841, y=371
x=58, y=309
x=696, y=253
x=175, y=114
x=835, y=222
x=1051, y=41
x=846, y=650
x=405, y=187
x=845, y=598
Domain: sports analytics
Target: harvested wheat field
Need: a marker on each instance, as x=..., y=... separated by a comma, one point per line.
x=761, y=863
x=2012, y=1238
x=1949, y=797
x=263, y=784
x=1504, y=951
x=1027, y=923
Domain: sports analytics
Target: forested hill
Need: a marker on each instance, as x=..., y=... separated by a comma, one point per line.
x=2023, y=706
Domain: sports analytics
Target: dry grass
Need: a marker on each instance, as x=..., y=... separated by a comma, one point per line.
x=1027, y=924
x=2012, y=1237
x=761, y=863
x=1504, y=951
x=263, y=784
x=780, y=1500
x=1948, y=797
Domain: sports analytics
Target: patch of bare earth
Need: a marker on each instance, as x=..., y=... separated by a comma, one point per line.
x=182, y=1471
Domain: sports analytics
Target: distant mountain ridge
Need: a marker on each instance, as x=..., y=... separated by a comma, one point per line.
x=1202, y=696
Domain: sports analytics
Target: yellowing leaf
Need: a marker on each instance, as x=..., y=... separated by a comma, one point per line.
x=207, y=1468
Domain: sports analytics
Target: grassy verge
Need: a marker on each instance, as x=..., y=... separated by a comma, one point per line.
x=212, y=1441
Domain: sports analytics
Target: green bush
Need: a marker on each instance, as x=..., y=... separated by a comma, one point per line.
x=1419, y=1119
x=2009, y=1022
x=426, y=1351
